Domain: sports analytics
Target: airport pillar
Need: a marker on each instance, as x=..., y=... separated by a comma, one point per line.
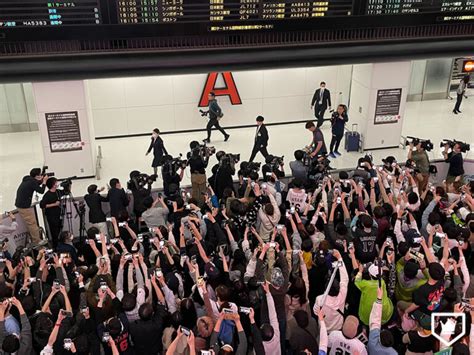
x=377, y=102
x=65, y=129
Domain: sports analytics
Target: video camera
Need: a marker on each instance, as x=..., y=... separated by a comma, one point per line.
x=319, y=168
x=204, y=150
x=65, y=184
x=44, y=173
x=139, y=180
x=248, y=169
x=425, y=143
x=173, y=164
x=451, y=143
x=229, y=159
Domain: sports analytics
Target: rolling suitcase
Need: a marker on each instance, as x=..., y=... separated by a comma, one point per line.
x=352, y=139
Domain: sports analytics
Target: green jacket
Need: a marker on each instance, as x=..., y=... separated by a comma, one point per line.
x=368, y=289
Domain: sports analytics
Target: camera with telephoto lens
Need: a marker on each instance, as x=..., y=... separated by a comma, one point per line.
x=451, y=143
x=277, y=161
x=44, y=173
x=247, y=168
x=139, y=180
x=171, y=165
x=426, y=144
x=229, y=159
x=204, y=149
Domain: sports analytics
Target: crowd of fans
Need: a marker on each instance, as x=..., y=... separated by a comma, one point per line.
x=348, y=264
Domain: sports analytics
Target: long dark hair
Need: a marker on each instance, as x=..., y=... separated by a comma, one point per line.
x=298, y=289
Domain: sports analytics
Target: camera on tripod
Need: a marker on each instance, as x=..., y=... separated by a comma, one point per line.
x=425, y=143
x=65, y=185
x=44, y=173
x=451, y=143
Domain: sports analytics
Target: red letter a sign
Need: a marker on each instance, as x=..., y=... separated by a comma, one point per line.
x=230, y=89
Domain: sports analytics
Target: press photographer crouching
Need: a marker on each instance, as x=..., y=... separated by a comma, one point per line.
x=454, y=158
x=173, y=172
x=35, y=182
x=198, y=159
x=417, y=153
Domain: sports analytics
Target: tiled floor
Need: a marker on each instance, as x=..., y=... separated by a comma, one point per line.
x=19, y=152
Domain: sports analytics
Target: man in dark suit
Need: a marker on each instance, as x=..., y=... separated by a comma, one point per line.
x=320, y=102
x=117, y=198
x=261, y=140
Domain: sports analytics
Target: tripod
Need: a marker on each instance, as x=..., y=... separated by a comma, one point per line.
x=67, y=204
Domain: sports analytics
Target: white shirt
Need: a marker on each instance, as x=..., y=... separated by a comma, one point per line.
x=339, y=344
x=297, y=199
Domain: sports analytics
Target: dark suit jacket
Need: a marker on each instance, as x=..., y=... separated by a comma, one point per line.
x=118, y=201
x=326, y=101
x=261, y=139
x=158, y=151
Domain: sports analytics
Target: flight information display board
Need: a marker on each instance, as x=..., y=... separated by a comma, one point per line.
x=35, y=13
x=42, y=13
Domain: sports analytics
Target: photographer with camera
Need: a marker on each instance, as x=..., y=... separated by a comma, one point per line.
x=417, y=153
x=298, y=169
x=51, y=204
x=215, y=114
x=318, y=146
x=223, y=172
x=94, y=201
x=198, y=159
x=35, y=182
x=455, y=159
x=273, y=165
x=171, y=177
x=260, y=141
x=140, y=186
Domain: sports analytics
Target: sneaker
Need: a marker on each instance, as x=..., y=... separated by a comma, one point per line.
x=337, y=153
x=332, y=155
x=206, y=140
x=226, y=138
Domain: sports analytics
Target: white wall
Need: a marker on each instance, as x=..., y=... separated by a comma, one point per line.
x=136, y=105
x=367, y=79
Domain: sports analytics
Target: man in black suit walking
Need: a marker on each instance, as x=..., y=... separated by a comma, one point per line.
x=321, y=101
x=261, y=140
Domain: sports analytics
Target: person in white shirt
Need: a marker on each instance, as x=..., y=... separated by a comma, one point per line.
x=297, y=195
x=333, y=306
x=345, y=341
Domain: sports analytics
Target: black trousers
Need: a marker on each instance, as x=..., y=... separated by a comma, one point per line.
x=458, y=102
x=214, y=123
x=319, y=111
x=335, y=141
x=255, y=150
x=54, y=225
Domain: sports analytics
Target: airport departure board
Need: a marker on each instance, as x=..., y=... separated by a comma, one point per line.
x=42, y=13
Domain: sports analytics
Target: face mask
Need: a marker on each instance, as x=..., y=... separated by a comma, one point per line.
x=154, y=135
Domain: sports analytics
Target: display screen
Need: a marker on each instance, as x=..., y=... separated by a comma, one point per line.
x=41, y=13
x=33, y=13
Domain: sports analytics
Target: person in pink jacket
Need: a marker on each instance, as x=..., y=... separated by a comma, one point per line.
x=333, y=306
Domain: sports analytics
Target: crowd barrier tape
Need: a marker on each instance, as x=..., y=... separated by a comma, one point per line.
x=18, y=238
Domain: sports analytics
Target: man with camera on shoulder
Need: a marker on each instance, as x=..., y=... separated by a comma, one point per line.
x=173, y=172
x=198, y=159
x=273, y=165
x=417, y=152
x=35, y=182
x=455, y=159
